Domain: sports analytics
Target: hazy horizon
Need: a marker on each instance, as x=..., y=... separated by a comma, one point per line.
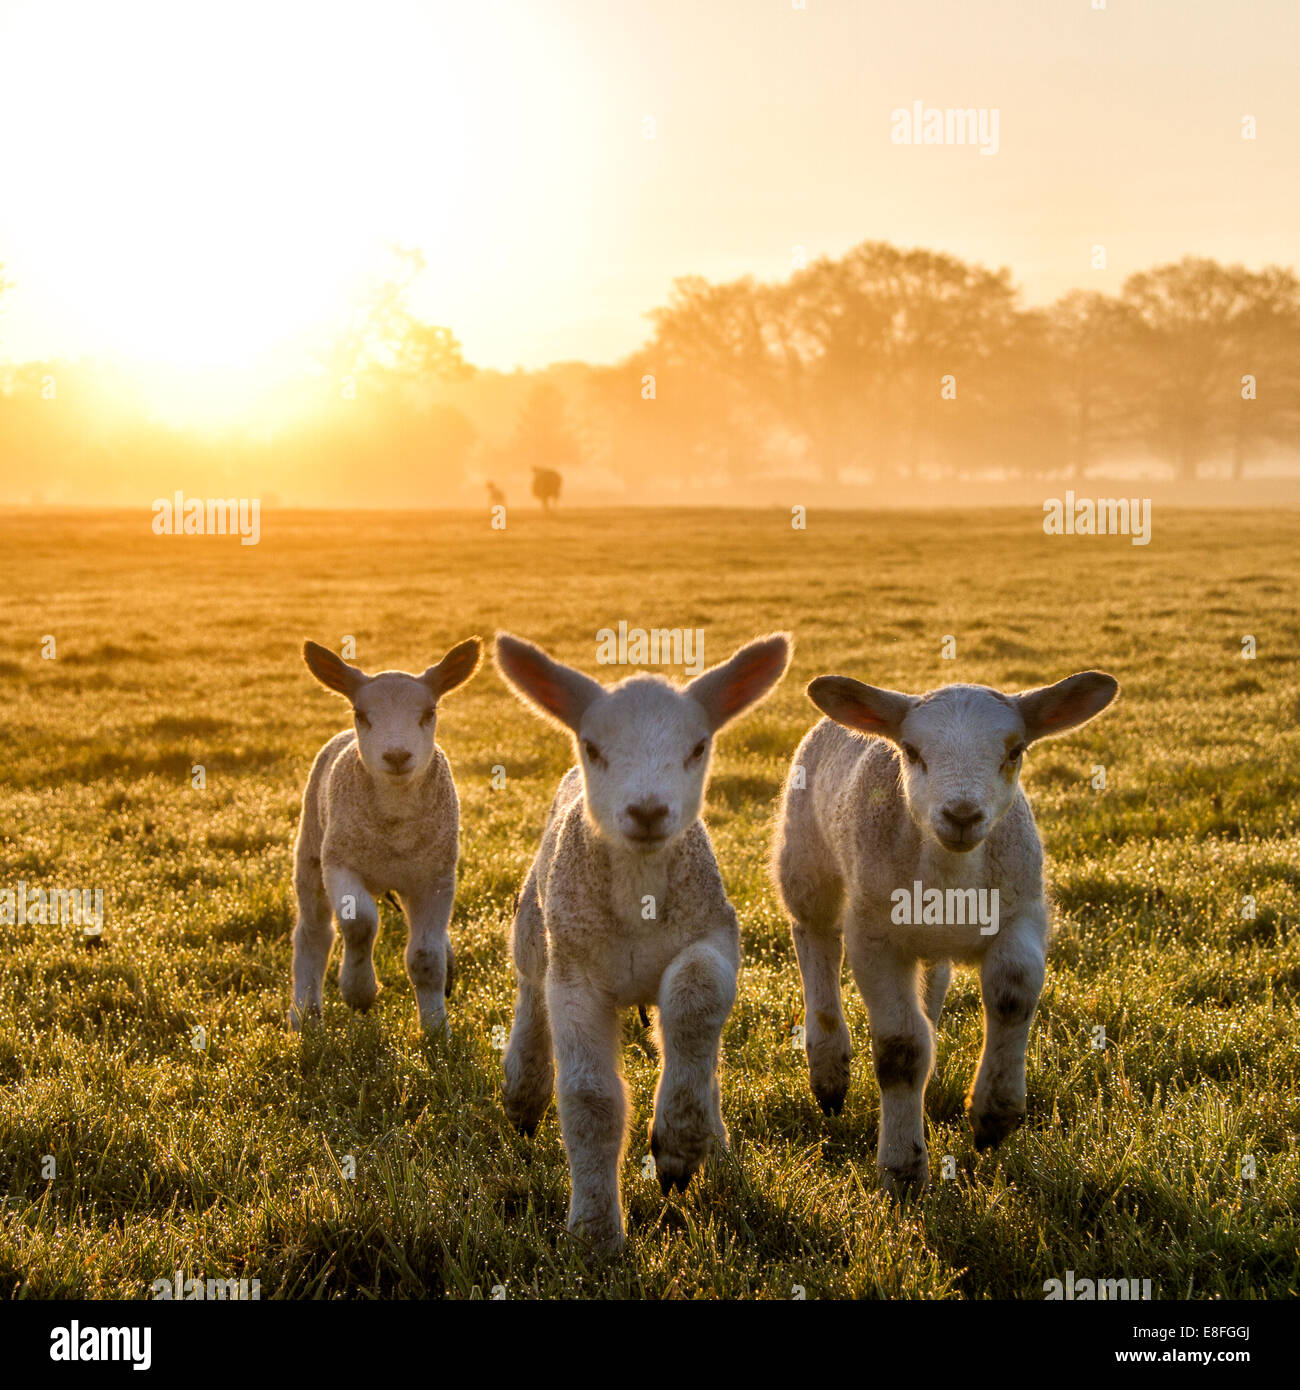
x=291, y=251
x=245, y=170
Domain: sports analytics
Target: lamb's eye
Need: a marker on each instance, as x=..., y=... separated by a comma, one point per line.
x=910, y=753
x=361, y=719
x=1015, y=754
x=698, y=751
x=426, y=716
x=590, y=749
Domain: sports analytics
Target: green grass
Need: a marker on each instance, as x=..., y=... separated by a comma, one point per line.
x=227, y=1162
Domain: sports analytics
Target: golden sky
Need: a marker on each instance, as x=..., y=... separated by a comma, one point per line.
x=194, y=185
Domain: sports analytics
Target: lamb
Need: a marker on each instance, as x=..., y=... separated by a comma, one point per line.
x=379, y=814
x=874, y=826
x=624, y=905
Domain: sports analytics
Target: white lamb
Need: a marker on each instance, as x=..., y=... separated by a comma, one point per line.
x=623, y=906
x=934, y=800
x=379, y=814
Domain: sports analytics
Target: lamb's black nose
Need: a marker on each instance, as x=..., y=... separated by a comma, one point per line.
x=961, y=815
x=397, y=758
x=648, y=815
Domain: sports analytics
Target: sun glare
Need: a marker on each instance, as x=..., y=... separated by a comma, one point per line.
x=204, y=187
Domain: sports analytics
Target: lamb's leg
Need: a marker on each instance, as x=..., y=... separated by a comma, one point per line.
x=1011, y=979
x=826, y=1035
x=902, y=1050
x=813, y=892
x=529, y=1062
x=695, y=997
x=937, y=979
x=358, y=920
x=313, y=935
x=529, y=1066
x=428, y=951
x=592, y=1101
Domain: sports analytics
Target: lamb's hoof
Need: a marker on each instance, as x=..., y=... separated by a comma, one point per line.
x=905, y=1179
x=602, y=1238
x=527, y=1125
x=670, y=1182
x=831, y=1099
x=991, y=1124
x=303, y=1018
x=360, y=1000
x=676, y=1164
x=525, y=1116
x=828, y=1074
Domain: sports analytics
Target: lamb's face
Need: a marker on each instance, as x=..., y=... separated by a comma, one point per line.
x=644, y=750
x=961, y=750
x=643, y=744
x=395, y=716
x=960, y=747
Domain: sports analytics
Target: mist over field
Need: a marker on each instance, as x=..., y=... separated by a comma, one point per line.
x=880, y=378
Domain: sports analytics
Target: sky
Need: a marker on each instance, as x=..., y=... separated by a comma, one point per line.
x=199, y=190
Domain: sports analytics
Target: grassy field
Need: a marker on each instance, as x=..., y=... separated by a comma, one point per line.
x=230, y=1161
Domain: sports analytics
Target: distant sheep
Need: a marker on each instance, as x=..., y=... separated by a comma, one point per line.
x=379, y=815
x=546, y=487
x=624, y=905
x=869, y=828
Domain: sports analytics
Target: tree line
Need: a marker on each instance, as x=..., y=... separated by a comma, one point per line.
x=897, y=363
x=880, y=365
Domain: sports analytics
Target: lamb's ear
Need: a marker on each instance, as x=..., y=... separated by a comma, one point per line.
x=333, y=671
x=1054, y=709
x=558, y=691
x=867, y=708
x=455, y=668
x=729, y=689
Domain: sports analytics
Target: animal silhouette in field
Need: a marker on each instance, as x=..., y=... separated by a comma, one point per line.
x=495, y=496
x=546, y=487
x=544, y=442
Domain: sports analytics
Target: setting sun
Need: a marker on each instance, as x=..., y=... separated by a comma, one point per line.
x=206, y=190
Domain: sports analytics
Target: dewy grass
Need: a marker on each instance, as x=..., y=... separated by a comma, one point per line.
x=156, y=1115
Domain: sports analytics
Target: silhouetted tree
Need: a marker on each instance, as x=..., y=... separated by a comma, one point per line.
x=716, y=374
x=1094, y=376
x=1266, y=409
x=850, y=354
x=1189, y=324
x=385, y=337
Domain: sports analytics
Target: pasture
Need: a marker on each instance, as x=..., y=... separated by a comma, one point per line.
x=364, y=1161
